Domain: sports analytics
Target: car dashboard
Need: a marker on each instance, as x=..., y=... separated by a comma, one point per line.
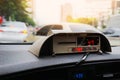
x=16, y=63
x=61, y=56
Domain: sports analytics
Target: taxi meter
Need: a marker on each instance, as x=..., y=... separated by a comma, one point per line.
x=70, y=43
x=75, y=43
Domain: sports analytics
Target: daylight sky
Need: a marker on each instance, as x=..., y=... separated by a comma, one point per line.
x=50, y=10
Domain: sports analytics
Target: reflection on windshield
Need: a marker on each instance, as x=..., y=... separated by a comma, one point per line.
x=22, y=23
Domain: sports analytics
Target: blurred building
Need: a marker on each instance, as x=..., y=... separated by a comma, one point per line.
x=47, y=11
x=66, y=12
x=118, y=6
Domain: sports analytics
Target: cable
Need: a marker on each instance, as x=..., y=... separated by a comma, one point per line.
x=83, y=59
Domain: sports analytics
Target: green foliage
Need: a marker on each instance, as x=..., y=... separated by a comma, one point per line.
x=103, y=26
x=85, y=20
x=16, y=10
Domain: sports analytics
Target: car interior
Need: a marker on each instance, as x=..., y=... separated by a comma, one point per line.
x=59, y=40
x=79, y=56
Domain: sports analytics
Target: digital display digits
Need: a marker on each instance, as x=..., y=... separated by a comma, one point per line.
x=85, y=41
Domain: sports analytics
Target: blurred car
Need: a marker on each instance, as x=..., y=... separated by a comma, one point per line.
x=113, y=35
x=13, y=31
x=113, y=26
x=112, y=30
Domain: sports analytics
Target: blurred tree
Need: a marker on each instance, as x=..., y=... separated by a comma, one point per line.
x=15, y=10
x=85, y=20
x=69, y=18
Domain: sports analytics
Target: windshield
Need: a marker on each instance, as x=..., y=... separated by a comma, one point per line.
x=26, y=22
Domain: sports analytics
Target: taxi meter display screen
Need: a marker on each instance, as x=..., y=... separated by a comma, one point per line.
x=86, y=41
x=76, y=43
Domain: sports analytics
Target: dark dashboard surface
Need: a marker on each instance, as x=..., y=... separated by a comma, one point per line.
x=16, y=58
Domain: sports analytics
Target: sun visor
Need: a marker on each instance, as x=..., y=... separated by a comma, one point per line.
x=70, y=43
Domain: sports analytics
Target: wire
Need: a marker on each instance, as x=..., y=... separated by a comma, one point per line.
x=83, y=59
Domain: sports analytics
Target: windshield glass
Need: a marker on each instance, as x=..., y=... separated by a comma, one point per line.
x=13, y=24
x=26, y=22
